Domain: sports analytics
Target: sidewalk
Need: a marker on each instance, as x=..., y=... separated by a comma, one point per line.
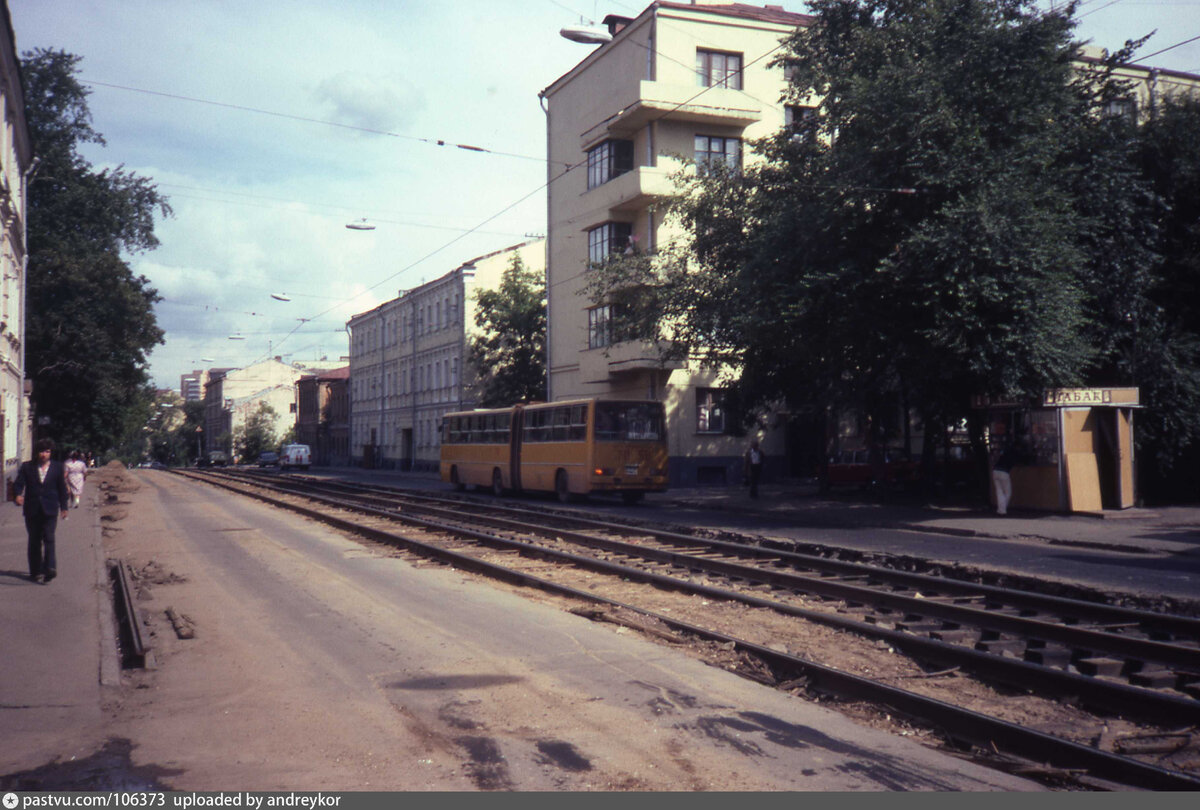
x=1170, y=530
x=55, y=656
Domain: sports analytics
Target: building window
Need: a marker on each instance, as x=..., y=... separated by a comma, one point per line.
x=609, y=238
x=1125, y=108
x=600, y=327
x=798, y=121
x=710, y=410
x=608, y=160
x=712, y=151
x=716, y=69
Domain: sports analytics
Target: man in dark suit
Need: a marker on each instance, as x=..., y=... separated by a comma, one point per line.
x=41, y=492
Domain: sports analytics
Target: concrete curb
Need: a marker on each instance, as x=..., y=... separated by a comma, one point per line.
x=110, y=659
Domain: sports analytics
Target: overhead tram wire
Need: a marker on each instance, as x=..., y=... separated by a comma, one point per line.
x=309, y=120
x=176, y=195
x=1170, y=47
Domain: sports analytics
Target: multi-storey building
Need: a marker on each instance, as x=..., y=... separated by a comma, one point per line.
x=16, y=164
x=233, y=395
x=191, y=386
x=408, y=362
x=690, y=81
x=323, y=416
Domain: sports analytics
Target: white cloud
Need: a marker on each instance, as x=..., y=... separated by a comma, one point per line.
x=381, y=104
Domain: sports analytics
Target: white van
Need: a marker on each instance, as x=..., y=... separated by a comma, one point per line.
x=294, y=455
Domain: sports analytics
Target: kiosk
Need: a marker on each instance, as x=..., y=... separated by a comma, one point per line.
x=1074, y=449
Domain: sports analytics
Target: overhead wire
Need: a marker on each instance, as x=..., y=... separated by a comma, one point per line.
x=310, y=120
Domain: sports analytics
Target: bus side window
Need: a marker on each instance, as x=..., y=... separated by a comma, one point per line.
x=562, y=424
x=578, y=423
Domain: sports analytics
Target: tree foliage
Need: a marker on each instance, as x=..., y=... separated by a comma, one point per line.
x=509, y=354
x=90, y=324
x=256, y=434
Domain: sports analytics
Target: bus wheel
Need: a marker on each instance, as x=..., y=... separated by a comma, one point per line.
x=630, y=497
x=497, y=483
x=459, y=486
x=561, y=489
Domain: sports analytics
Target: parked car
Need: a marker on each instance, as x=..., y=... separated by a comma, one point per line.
x=295, y=455
x=854, y=468
x=268, y=458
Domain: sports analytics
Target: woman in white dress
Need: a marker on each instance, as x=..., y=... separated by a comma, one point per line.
x=76, y=472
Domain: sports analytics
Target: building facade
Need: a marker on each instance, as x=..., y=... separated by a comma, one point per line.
x=323, y=416
x=191, y=385
x=678, y=84
x=16, y=165
x=409, y=364
x=233, y=395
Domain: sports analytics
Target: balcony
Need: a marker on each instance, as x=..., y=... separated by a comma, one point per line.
x=633, y=190
x=601, y=365
x=715, y=106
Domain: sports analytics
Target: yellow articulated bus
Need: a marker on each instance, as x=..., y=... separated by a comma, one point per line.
x=578, y=447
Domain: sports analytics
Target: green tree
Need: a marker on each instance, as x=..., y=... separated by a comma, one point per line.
x=509, y=354
x=1169, y=368
x=91, y=323
x=256, y=434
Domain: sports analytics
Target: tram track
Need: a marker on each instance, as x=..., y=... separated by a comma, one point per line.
x=1136, y=664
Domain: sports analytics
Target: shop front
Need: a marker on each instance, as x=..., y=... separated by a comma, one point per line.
x=1073, y=450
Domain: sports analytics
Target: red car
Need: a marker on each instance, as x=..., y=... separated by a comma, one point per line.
x=853, y=467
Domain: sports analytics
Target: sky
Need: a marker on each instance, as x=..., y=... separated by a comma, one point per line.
x=272, y=124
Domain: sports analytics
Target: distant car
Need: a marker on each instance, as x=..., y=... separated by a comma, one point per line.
x=854, y=468
x=217, y=459
x=295, y=455
x=268, y=458
x=157, y=465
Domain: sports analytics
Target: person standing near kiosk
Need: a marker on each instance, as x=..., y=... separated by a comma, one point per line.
x=1002, y=478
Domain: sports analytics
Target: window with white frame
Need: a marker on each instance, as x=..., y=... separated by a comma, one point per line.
x=710, y=410
x=718, y=69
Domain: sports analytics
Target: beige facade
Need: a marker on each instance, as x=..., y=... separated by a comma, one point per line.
x=1149, y=85
x=678, y=83
x=232, y=395
x=16, y=164
x=408, y=362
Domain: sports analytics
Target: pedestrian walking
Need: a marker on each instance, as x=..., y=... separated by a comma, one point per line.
x=1002, y=480
x=754, y=466
x=76, y=470
x=40, y=489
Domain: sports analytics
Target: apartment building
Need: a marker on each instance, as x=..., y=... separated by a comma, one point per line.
x=677, y=83
x=191, y=385
x=233, y=395
x=409, y=366
x=16, y=164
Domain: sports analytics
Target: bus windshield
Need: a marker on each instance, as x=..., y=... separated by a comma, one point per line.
x=629, y=421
